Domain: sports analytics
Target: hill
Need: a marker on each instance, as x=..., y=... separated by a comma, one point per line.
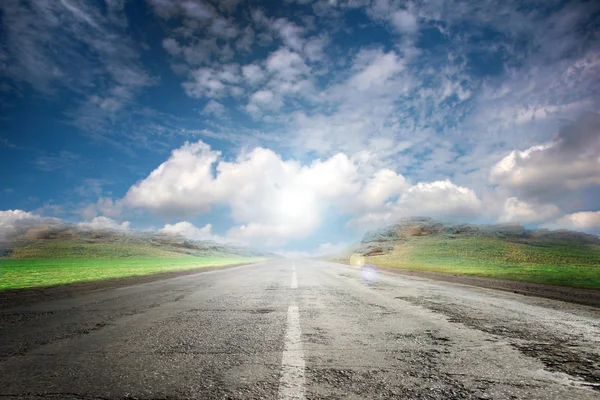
x=508, y=251
x=63, y=254
x=70, y=241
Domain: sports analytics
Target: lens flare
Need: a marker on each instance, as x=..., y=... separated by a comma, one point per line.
x=357, y=260
x=369, y=274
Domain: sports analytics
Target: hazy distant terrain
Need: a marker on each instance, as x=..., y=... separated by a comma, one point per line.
x=67, y=253
x=497, y=251
x=69, y=241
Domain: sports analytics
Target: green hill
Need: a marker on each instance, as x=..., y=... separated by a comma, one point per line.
x=63, y=254
x=496, y=251
x=72, y=242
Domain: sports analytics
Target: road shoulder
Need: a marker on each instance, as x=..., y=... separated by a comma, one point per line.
x=27, y=296
x=588, y=297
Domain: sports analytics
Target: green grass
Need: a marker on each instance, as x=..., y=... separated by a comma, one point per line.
x=26, y=273
x=554, y=263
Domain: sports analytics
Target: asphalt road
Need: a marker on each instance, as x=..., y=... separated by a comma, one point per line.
x=300, y=330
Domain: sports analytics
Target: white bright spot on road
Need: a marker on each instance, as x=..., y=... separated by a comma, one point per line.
x=369, y=274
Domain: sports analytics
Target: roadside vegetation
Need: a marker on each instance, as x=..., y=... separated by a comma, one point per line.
x=68, y=254
x=27, y=273
x=577, y=266
x=563, y=258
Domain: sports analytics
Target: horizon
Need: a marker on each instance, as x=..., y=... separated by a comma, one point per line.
x=24, y=228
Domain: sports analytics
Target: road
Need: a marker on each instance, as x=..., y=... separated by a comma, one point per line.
x=300, y=329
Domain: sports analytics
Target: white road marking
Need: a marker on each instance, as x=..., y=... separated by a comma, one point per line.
x=293, y=265
x=294, y=281
x=291, y=384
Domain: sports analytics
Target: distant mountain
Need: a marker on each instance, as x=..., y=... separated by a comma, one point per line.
x=73, y=241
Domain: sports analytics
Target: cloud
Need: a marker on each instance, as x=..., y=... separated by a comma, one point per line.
x=439, y=199
x=290, y=33
x=181, y=185
x=74, y=46
x=9, y=218
x=288, y=66
x=253, y=73
x=214, y=108
x=314, y=47
x=275, y=200
x=282, y=199
x=519, y=211
x=204, y=83
x=198, y=14
x=53, y=162
x=359, y=112
x=189, y=230
x=246, y=40
x=377, y=68
x=587, y=221
x=228, y=5
x=263, y=96
x=16, y=222
x=400, y=20
x=382, y=186
x=404, y=21
x=171, y=46
x=213, y=82
x=545, y=172
x=269, y=196
x=197, y=10
x=19, y=223
x=450, y=113
x=263, y=100
x=104, y=223
x=105, y=206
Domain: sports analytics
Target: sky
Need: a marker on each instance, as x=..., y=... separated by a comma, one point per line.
x=295, y=126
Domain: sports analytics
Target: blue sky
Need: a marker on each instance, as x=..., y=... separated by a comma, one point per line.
x=297, y=125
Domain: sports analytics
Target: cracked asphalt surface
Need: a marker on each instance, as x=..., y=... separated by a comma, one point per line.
x=221, y=335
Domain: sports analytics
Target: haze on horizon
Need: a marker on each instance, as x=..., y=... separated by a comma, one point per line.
x=297, y=127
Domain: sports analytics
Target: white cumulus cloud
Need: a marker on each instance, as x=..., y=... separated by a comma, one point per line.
x=11, y=220
x=268, y=197
x=587, y=221
x=272, y=200
x=522, y=212
x=546, y=172
x=104, y=223
x=189, y=230
x=181, y=185
x=439, y=199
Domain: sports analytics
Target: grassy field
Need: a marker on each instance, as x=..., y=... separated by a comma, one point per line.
x=576, y=265
x=25, y=273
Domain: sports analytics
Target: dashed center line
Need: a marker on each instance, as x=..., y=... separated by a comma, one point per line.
x=294, y=281
x=291, y=384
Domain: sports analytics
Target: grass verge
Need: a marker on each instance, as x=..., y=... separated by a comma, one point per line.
x=544, y=262
x=27, y=273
